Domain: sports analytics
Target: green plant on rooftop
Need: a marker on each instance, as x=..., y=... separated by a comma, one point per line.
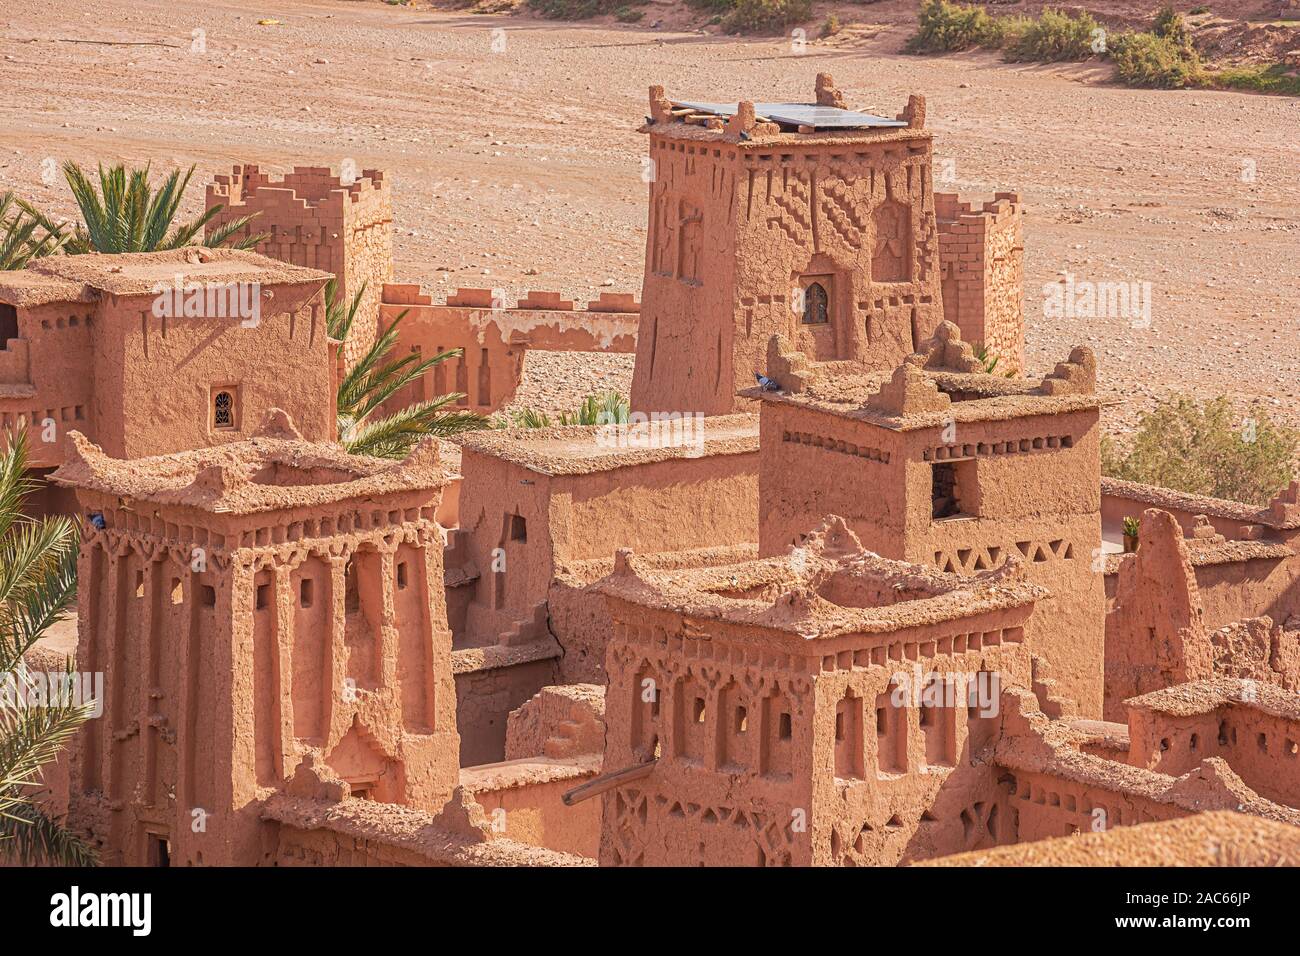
x=604, y=408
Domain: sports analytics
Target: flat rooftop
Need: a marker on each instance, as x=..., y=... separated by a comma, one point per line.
x=271, y=471
x=1206, y=696
x=84, y=278
x=828, y=588
x=1218, y=838
x=587, y=449
x=973, y=397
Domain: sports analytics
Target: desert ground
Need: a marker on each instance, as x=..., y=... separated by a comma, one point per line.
x=516, y=163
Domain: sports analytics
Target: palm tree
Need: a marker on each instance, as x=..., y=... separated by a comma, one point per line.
x=374, y=379
x=123, y=213
x=38, y=579
x=19, y=240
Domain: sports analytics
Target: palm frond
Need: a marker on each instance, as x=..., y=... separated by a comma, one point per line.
x=340, y=315
x=25, y=235
x=396, y=435
x=375, y=378
x=28, y=836
x=223, y=234
x=122, y=212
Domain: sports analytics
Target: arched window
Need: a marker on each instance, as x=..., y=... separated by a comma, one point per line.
x=815, y=304
x=223, y=409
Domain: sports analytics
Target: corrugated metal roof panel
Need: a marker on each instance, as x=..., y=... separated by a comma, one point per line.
x=801, y=114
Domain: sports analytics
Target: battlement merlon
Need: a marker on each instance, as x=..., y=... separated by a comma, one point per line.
x=412, y=294
x=950, y=209
x=314, y=186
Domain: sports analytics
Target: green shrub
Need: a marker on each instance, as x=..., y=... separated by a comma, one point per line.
x=603, y=408
x=945, y=27
x=1206, y=449
x=1055, y=37
x=628, y=15
x=1171, y=25
x=574, y=9
x=1144, y=59
x=764, y=16
x=831, y=26
x=720, y=6
x=1257, y=79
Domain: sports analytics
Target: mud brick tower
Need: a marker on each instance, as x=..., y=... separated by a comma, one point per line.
x=982, y=253
x=825, y=707
x=251, y=607
x=805, y=220
x=942, y=464
x=342, y=224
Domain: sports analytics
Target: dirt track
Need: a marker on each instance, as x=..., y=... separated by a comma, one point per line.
x=521, y=168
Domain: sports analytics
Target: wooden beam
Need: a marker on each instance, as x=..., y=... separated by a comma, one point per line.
x=607, y=781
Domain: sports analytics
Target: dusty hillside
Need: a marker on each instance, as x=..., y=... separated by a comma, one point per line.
x=1226, y=31
x=522, y=168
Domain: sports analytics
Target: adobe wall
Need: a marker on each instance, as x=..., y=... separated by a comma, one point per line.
x=1217, y=838
x=314, y=219
x=579, y=616
x=1177, y=603
x=49, y=372
x=1035, y=497
x=1260, y=747
x=1043, y=505
x=522, y=800
x=1233, y=587
x=284, y=362
x=317, y=633
x=798, y=443
x=1232, y=519
x=815, y=737
x=981, y=254
x=736, y=228
x=671, y=505
x=1047, y=805
x=315, y=832
x=495, y=336
x=490, y=684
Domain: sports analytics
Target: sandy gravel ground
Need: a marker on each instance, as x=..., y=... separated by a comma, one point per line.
x=517, y=163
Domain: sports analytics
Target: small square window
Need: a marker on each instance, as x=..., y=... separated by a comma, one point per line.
x=306, y=589
x=263, y=596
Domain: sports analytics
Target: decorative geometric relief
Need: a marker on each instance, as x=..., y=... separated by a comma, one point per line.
x=892, y=259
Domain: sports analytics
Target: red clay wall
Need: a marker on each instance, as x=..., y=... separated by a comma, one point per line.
x=314, y=220
x=495, y=336
x=736, y=229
